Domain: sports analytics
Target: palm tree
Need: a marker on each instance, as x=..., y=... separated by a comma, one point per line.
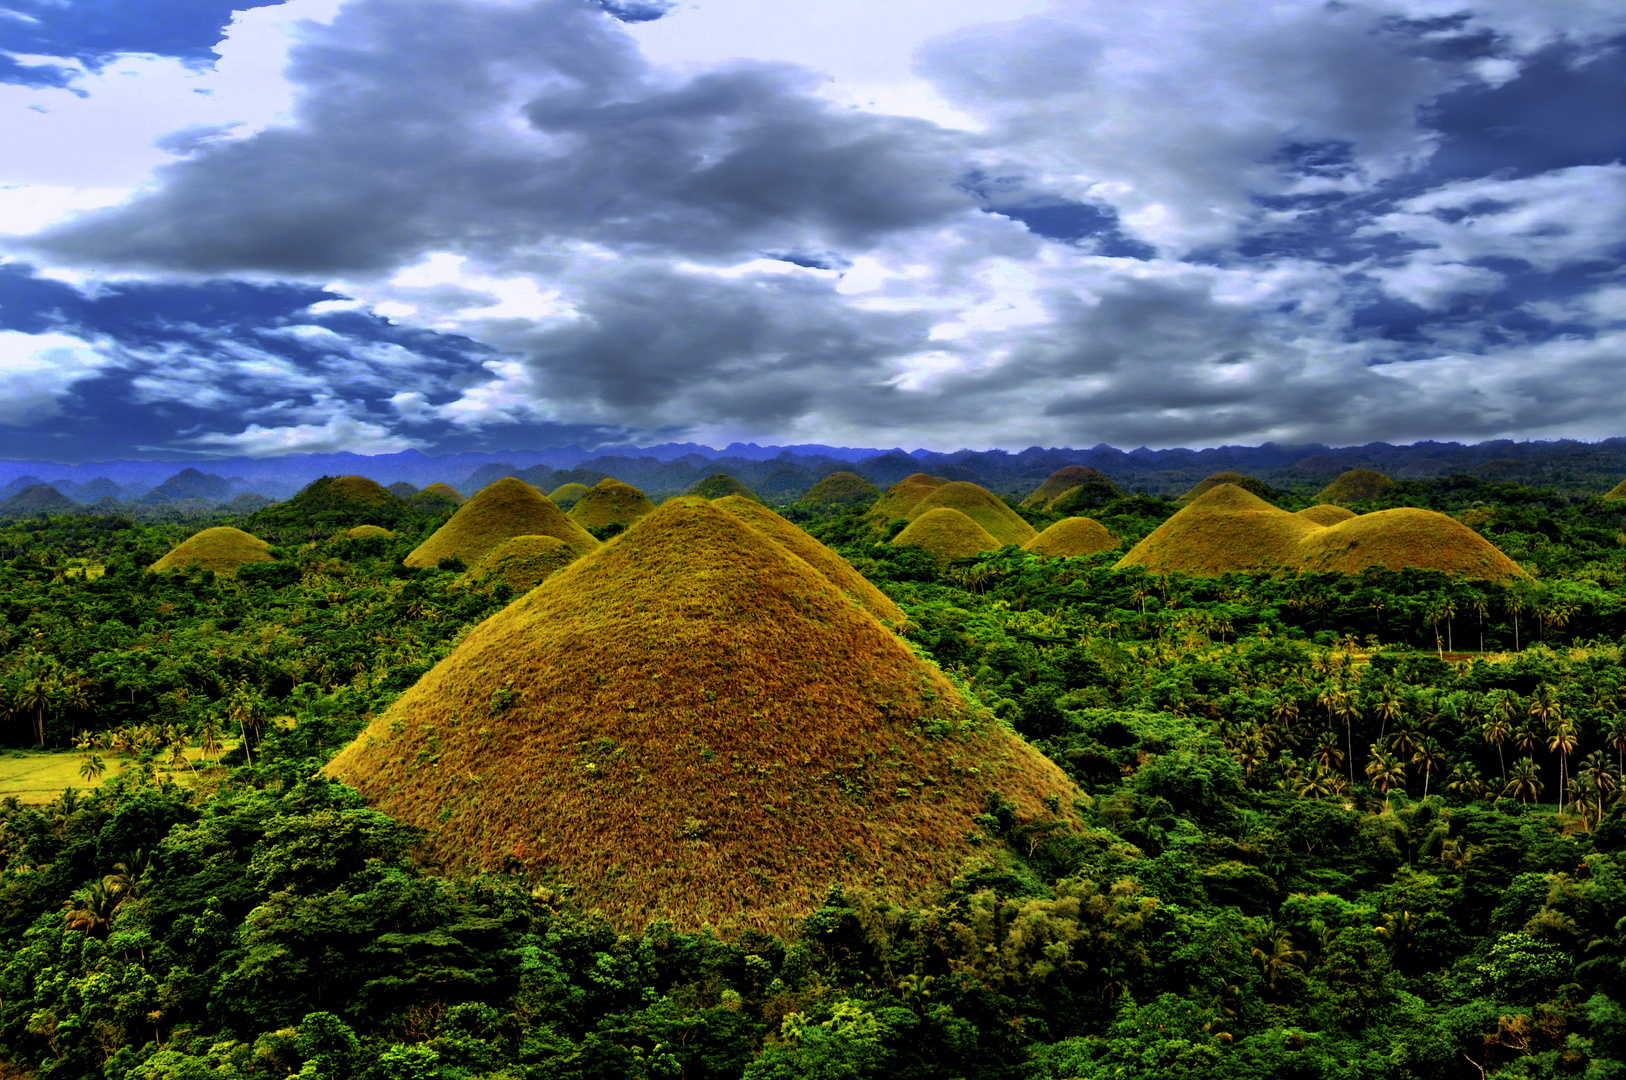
x=1601, y=777
x=1327, y=754
x=1480, y=604
x=209, y=738
x=1319, y=782
x=1428, y=756
x=1274, y=953
x=33, y=697
x=91, y=768
x=1336, y=700
x=1496, y=730
x=1465, y=781
x=1525, y=784
x=1385, y=773
x=1515, y=601
x=1615, y=732
x=1387, y=709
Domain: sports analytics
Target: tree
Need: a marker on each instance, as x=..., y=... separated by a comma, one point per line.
x=1385, y=773
x=1428, y=756
x=1496, y=730
x=91, y=768
x=1274, y=954
x=1602, y=778
x=1525, y=783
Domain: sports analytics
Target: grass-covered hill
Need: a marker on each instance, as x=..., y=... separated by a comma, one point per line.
x=222, y=549
x=840, y=490
x=363, y=531
x=1246, y=483
x=523, y=562
x=609, y=503
x=565, y=495
x=720, y=486
x=1356, y=485
x=946, y=533
x=1400, y=538
x=693, y=724
x=902, y=497
x=1325, y=514
x=498, y=512
x=36, y=500
x=328, y=504
x=980, y=505
x=1225, y=529
x=445, y=491
x=1083, y=487
x=1072, y=536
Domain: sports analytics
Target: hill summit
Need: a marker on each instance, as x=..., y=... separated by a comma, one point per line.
x=610, y=502
x=498, y=512
x=222, y=549
x=1355, y=485
x=692, y=724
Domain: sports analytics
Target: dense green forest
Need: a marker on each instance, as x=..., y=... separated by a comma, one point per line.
x=1331, y=826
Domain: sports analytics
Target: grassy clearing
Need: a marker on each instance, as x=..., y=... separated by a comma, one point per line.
x=1326, y=514
x=36, y=777
x=498, y=512
x=691, y=723
x=947, y=534
x=1354, y=486
x=222, y=549
x=980, y=505
x=1073, y=536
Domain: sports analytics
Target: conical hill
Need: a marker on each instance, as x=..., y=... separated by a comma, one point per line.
x=840, y=490
x=1356, y=485
x=330, y=503
x=721, y=486
x=565, y=495
x=692, y=724
x=1224, y=529
x=1246, y=483
x=610, y=502
x=498, y=512
x=901, y=497
x=361, y=532
x=1073, y=536
x=980, y=505
x=1400, y=538
x=821, y=558
x=523, y=562
x=1100, y=488
x=445, y=491
x=1325, y=514
x=222, y=549
x=947, y=534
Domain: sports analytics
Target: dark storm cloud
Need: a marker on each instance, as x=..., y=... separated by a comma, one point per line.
x=447, y=126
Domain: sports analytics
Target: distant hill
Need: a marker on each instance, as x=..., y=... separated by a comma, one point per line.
x=37, y=499
x=190, y=484
x=328, y=504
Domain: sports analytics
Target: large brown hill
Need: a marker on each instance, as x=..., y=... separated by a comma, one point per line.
x=980, y=505
x=222, y=549
x=1101, y=489
x=1400, y=538
x=692, y=724
x=1246, y=483
x=1073, y=536
x=901, y=497
x=946, y=534
x=1224, y=529
x=610, y=502
x=498, y=512
x=1356, y=485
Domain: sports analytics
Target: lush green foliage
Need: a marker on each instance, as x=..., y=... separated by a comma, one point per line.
x=1335, y=826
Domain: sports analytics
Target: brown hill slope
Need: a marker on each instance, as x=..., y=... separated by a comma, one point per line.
x=1072, y=536
x=523, y=562
x=980, y=505
x=1354, y=486
x=1224, y=529
x=901, y=497
x=361, y=532
x=721, y=486
x=610, y=502
x=1396, y=539
x=947, y=534
x=1246, y=483
x=818, y=556
x=1067, y=479
x=498, y=512
x=445, y=491
x=222, y=549
x=692, y=724
x=1325, y=514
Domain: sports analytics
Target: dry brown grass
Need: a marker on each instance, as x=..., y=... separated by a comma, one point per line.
x=565, y=495
x=445, y=491
x=523, y=562
x=1616, y=492
x=222, y=549
x=1395, y=539
x=1325, y=514
x=836, y=569
x=693, y=724
x=1073, y=536
x=361, y=531
x=360, y=490
x=1355, y=485
x=1246, y=483
x=498, y=512
x=1224, y=529
x=610, y=502
x=901, y=497
x=947, y=534
x=980, y=505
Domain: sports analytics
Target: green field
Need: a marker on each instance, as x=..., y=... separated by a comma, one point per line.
x=38, y=777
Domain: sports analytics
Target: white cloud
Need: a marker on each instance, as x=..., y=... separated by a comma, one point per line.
x=338, y=433
x=38, y=370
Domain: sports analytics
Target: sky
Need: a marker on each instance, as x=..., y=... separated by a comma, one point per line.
x=374, y=225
